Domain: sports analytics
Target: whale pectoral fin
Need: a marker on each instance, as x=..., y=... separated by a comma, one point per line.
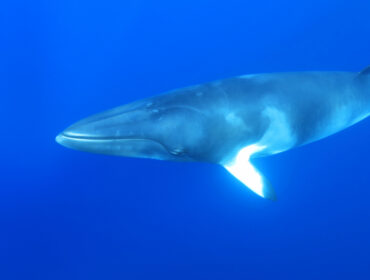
x=246, y=173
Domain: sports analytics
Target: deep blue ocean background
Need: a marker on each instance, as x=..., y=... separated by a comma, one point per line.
x=66, y=214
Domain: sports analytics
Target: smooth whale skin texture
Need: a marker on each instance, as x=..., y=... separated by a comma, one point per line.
x=229, y=122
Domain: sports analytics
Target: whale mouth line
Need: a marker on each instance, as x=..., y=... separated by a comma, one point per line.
x=63, y=138
x=101, y=138
x=82, y=142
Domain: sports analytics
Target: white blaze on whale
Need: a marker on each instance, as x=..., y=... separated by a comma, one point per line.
x=277, y=138
x=244, y=171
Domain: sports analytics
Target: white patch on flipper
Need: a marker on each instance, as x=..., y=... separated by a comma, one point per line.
x=246, y=173
x=276, y=139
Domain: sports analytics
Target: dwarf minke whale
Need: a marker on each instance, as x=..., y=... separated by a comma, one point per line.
x=229, y=122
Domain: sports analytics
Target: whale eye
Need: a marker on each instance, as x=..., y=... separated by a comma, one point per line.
x=177, y=151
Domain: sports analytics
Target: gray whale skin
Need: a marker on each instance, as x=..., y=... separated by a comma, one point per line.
x=229, y=122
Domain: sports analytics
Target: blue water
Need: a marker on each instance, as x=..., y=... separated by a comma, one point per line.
x=72, y=215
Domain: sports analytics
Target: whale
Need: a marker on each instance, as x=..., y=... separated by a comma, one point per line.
x=229, y=122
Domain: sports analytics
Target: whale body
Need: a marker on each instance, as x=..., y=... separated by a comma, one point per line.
x=229, y=122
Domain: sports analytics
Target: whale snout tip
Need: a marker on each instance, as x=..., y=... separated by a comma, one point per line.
x=68, y=140
x=72, y=135
x=72, y=142
x=64, y=138
x=60, y=138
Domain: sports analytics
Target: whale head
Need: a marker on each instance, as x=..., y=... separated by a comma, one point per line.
x=148, y=128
